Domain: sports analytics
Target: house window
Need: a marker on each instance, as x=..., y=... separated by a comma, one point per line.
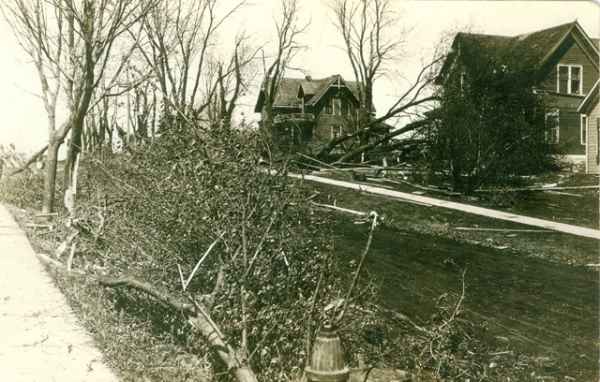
x=552, y=127
x=295, y=135
x=569, y=79
x=336, y=131
x=583, y=129
x=329, y=106
x=337, y=106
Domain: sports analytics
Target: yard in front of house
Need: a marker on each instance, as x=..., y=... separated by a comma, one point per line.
x=529, y=291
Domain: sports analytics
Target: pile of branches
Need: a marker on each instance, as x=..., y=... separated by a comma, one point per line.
x=237, y=250
x=196, y=223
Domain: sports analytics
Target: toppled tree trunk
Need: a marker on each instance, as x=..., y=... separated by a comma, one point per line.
x=369, y=146
x=197, y=315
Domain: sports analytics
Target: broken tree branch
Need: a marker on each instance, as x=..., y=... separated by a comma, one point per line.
x=375, y=216
x=341, y=209
x=196, y=314
x=30, y=161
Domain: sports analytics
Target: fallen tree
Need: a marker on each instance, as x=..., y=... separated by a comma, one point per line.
x=411, y=127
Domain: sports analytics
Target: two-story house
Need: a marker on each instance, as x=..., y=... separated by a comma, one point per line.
x=311, y=111
x=566, y=63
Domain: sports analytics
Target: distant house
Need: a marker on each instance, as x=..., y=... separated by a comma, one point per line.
x=566, y=61
x=590, y=134
x=311, y=111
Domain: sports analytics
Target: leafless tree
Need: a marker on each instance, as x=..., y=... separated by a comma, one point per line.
x=288, y=29
x=233, y=79
x=373, y=40
x=72, y=44
x=178, y=37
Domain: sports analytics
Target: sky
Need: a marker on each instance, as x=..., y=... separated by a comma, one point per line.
x=422, y=22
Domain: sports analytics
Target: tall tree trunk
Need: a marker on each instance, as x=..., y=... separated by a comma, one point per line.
x=74, y=148
x=50, y=180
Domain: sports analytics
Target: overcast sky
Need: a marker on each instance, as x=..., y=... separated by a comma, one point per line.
x=23, y=120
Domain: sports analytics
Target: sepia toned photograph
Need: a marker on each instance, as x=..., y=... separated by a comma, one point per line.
x=299, y=191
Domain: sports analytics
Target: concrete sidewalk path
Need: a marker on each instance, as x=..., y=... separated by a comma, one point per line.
x=470, y=209
x=40, y=338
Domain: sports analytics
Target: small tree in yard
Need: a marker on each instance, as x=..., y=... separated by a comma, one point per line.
x=490, y=122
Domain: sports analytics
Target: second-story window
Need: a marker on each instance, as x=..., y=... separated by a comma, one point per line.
x=337, y=106
x=569, y=79
x=336, y=131
x=329, y=106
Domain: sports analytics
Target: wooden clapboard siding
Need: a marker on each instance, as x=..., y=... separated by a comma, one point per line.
x=592, y=140
x=571, y=53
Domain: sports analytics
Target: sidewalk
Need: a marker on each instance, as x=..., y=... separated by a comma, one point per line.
x=507, y=216
x=40, y=338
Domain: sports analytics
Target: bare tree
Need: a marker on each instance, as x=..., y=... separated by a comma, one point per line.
x=71, y=44
x=372, y=41
x=233, y=79
x=288, y=29
x=178, y=37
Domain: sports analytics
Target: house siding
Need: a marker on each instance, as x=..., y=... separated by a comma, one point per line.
x=569, y=136
x=571, y=54
x=592, y=141
x=317, y=132
x=324, y=121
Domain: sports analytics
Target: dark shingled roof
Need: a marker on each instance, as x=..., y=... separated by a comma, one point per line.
x=537, y=45
x=287, y=92
x=541, y=43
